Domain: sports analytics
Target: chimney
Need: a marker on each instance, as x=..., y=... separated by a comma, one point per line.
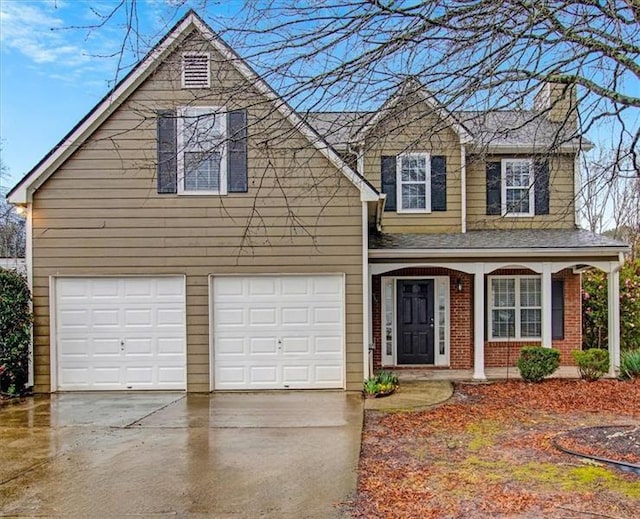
x=558, y=103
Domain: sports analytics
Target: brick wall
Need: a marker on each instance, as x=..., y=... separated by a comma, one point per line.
x=497, y=354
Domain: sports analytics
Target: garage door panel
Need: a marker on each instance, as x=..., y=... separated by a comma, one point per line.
x=274, y=332
x=107, y=347
x=331, y=316
x=120, y=333
x=296, y=345
x=263, y=346
x=296, y=374
x=262, y=287
x=295, y=316
x=262, y=317
x=226, y=346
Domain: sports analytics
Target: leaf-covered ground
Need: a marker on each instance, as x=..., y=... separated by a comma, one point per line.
x=488, y=453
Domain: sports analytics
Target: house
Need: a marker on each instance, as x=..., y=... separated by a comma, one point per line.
x=193, y=232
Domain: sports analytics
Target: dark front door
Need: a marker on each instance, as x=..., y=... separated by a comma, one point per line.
x=415, y=322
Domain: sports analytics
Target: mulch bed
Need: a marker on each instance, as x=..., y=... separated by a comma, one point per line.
x=489, y=452
x=617, y=443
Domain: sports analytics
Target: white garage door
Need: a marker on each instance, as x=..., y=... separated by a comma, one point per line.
x=275, y=332
x=120, y=333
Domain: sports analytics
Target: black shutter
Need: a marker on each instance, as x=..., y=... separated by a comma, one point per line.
x=237, y=151
x=494, y=188
x=167, y=167
x=541, y=183
x=438, y=183
x=388, y=178
x=557, y=309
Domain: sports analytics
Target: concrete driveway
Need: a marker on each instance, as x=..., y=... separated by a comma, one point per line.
x=272, y=454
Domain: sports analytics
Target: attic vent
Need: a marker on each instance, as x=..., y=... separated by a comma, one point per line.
x=195, y=70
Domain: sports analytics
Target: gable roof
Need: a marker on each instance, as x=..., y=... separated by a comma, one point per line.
x=406, y=88
x=22, y=191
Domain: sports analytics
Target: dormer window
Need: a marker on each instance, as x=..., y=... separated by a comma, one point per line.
x=414, y=183
x=517, y=187
x=196, y=71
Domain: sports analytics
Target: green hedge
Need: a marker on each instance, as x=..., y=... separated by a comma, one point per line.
x=15, y=331
x=536, y=362
x=592, y=363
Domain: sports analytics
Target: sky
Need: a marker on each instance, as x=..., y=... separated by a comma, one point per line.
x=56, y=64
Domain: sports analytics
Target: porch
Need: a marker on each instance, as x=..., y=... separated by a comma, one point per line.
x=463, y=311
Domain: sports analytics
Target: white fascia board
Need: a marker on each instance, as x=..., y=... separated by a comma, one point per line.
x=22, y=193
x=493, y=253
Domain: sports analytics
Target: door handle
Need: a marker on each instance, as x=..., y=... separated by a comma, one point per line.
x=121, y=344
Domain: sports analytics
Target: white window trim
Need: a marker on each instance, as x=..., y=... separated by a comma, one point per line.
x=185, y=55
x=503, y=184
x=439, y=282
x=181, y=111
x=427, y=181
x=518, y=307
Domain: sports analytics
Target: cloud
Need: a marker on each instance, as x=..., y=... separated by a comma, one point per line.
x=34, y=31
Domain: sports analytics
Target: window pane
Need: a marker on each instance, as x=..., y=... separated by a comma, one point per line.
x=530, y=323
x=202, y=171
x=503, y=323
x=518, y=174
x=202, y=130
x=504, y=292
x=414, y=196
x=414, y=169
x=530, y=292
x=518, y=200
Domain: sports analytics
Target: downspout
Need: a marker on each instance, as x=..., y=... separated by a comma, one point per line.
x=576, y=189
x=367, y=349
x=380, y=210
x=463, y=187
x=366, y=296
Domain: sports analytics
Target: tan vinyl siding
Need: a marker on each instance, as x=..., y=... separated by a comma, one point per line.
x=100, y=215
x=416, y=129
x=561, y=197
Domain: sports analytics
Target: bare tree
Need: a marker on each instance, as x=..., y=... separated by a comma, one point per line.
x=472, y=55
x=12, y=227
x=476, y=57
x=610, y=200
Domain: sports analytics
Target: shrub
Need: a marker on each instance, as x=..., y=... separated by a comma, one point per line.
x=15, y=328
x=383, y=382
x=595, y=310
x=630, y=364
x=592, y=363
x=536, y=362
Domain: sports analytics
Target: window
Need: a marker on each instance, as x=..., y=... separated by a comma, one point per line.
x=413, y=183
x=515, y=307
x=195, y=70
x=517, y=187
x=202, y=135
